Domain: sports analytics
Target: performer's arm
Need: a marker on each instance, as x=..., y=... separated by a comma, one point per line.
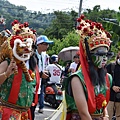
x=80, y=99
x=105, y=114
x=6, y=70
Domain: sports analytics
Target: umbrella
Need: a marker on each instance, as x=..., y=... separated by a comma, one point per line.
x=68, y=53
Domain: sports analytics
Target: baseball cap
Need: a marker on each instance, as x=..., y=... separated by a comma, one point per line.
x=43, y=38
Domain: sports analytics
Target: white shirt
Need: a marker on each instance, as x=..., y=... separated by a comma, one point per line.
x=73, y=65
x=43, y=60
x=55, y=73
x=41, y=64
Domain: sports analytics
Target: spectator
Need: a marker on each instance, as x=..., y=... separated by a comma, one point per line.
x=79, y=63
x=114, y=103
x=32, y=64
x=42, y=46
x=66, y=71
x=74, y=64
x=55, y=70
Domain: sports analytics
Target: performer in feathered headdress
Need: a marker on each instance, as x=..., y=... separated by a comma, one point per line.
x=87, y=90
x=17, y=82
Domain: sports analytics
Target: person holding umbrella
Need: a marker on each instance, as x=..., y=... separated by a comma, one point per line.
x=74, y=64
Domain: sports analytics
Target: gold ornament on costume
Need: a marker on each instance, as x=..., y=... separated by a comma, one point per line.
x=104, y=103
x=93, y=32
x=33, y=75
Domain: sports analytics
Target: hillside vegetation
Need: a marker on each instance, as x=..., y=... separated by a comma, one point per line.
x=60, y=26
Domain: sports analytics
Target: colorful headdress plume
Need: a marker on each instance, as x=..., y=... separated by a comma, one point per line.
x=23, y=30
x=94, y=33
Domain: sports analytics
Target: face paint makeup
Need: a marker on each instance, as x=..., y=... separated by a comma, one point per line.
x=99, y=61
x=99, y=57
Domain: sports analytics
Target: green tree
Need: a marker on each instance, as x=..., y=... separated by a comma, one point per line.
x=96, y=13
x=114, y=30
x=71, y=39
x=61, y=25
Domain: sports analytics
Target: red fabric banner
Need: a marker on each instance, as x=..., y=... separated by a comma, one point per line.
x=89, y=86
x=6, y=113
x=13, y=97
x=37, y=85
x=108, y=90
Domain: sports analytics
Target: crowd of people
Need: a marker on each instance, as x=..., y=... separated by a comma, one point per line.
x=92, y=88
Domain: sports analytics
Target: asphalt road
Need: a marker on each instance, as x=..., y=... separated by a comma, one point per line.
x=48, y=110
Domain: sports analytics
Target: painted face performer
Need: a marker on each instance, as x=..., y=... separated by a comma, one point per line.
x=87, y=90
x=16, y=89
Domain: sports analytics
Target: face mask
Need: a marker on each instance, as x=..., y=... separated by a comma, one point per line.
x=118, y=61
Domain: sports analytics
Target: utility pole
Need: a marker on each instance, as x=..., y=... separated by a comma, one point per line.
x=80, y=9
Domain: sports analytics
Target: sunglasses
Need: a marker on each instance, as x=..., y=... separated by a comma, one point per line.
x=101, y=53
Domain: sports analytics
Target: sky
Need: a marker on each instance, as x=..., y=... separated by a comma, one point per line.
x=45, y=6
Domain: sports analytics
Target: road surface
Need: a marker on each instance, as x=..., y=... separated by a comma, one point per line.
x=48, y=110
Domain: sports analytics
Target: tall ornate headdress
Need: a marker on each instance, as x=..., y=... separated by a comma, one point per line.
x=22, y=33
x=94, y=33
x=23, y=30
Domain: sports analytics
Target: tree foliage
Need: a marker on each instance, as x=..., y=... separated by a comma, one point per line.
x=71, y=39
x=60, y=26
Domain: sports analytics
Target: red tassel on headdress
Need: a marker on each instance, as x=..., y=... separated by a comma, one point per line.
x=90, y=89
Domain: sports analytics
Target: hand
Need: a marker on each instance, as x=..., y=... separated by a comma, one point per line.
x=11, y=68
x=105, y=118
x=116, y=88
x=44, y=75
